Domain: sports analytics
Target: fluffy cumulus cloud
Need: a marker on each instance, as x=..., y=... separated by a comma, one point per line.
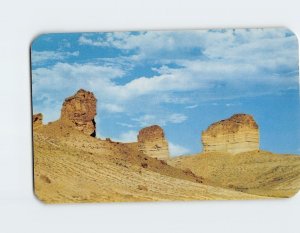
x=176, y=150
x=51, y=85
x=175, y=118
x=238, y=44
x=112, y=107
x=158, y=77
x=39, y=57
x=233, y=59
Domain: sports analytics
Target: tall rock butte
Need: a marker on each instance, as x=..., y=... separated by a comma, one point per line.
x=152, y=142
x=79, y=111
x=236, y=134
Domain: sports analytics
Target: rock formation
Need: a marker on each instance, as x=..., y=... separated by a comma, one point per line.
x=152, y=142
x=37, y=120
x=236, y=134
x=79, y=111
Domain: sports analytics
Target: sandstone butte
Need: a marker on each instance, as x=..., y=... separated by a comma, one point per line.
x=152, y=142
x=79, y=110
x=236, y=134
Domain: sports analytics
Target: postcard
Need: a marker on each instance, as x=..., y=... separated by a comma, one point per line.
x=166, y=115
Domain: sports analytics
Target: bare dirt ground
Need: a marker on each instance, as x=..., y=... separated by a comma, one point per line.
x=256, y=172
x=72, y=167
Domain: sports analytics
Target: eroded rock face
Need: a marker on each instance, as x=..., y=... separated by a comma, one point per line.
x=79, y=110
x=37, y=120
x=152, y=142
x=236, y=134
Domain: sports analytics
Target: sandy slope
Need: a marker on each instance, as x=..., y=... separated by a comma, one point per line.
x=72, y=167
x=256, y=172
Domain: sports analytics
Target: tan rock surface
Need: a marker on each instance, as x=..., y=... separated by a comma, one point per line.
x=236, y=134
x=152, y=142
x=79, y=110
x=255, y=172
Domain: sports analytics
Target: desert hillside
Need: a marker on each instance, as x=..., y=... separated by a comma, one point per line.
x=255, y=172
x=72, y=165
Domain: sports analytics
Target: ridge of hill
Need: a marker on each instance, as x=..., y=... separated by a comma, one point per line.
x=70, y=166
x=255, y=172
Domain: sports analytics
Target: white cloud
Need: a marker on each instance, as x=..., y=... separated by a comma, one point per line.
x=232, y=104
x=38, y=57
x=83, y=40
x=204, y=75
x=191, y=106
x=64, y=76
x=147, y=120
x=234, y=58
x=125, y=124
x=229, y=105
x=177, y=118
x=50, y=86
x=161, y=83
x=234, y=63
x=65, y=44
x=161, y=120
x=176, y=150
x=239, y=54
x=130, y=136
x=64, y=79
x=215, y=44
x=111, y=107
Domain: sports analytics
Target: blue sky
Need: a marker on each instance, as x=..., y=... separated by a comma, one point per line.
x=180, y=80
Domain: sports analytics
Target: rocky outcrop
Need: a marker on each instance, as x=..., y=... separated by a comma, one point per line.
x=79, y=111
x=152, y=142
x=37, y=120
x=236, y=134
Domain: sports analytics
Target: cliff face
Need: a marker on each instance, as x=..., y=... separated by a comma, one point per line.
x=79, y=110
x=236, y=134
x=152, y=142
